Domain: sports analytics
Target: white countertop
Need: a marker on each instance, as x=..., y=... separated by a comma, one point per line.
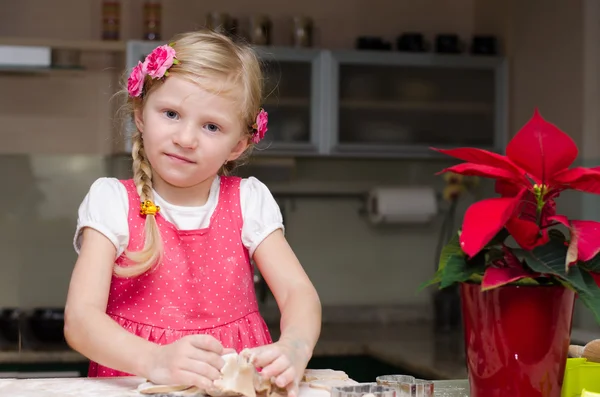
x=126, y=387
x=91, y=387
x=70, y=387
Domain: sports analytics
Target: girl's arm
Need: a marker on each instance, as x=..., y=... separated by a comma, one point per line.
x=90, y=331
x=87, y=327
x=299, y=305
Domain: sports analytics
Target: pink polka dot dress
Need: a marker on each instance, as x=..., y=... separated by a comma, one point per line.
x=204, y=284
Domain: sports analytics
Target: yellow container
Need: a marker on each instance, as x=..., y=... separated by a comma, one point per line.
x=580, y=374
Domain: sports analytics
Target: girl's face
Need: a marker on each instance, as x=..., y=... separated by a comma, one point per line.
x=189, y=133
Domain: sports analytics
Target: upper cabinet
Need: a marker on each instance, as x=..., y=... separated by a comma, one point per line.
x=376, y=103
x=399, y=104
x=293, y=99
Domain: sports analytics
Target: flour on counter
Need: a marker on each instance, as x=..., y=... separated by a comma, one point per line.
x=71, y=387
x=319, y=386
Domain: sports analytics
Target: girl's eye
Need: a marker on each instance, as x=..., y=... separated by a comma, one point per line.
x=212, y=127
x=170, y=114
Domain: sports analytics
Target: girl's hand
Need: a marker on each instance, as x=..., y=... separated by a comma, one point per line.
x=283, y=361
x=194, y=360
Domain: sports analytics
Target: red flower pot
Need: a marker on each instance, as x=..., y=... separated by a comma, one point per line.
x=516, y=339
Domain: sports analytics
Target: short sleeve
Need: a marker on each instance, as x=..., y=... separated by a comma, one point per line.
x=260, y=212
x=105, y=209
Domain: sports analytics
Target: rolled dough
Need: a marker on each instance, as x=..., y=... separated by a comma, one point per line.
x=239, y=378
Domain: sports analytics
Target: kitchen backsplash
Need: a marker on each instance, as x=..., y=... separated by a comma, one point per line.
x=350, y=261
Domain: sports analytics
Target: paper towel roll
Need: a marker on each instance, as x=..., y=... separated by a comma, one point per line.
x=401, y=205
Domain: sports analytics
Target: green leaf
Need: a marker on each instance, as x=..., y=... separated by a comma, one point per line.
x=435, y=280
x=593, y=265
x=550, y=259
x=557, y=236
x=453, y=266
x=476, y=278
x=546, y=259
x=455, y=271
x=567, y=285
x=452, y=248
x=526, y=281
x=590, y=294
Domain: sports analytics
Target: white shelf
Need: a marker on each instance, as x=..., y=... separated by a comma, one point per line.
x=28, y=70
x=80, y=45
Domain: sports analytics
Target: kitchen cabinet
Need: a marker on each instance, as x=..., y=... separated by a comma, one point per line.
x=350, y=103
x=294, y=99
x=399, y=104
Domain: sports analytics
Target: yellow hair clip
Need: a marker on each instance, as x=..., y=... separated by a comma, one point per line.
x=148, y=208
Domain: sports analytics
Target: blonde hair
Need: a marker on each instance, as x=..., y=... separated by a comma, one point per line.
x=219, y=65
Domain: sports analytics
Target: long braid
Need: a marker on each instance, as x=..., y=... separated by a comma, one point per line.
x=142, y=173
x=151, y=254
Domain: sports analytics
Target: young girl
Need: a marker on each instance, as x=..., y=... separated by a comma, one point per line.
x=163, y=285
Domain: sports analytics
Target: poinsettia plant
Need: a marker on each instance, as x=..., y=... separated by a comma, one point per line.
x=516, y=238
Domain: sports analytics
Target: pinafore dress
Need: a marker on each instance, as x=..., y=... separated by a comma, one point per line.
x=203, y=286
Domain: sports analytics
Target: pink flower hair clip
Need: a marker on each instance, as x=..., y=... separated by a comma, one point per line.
x=260, y=126
x=156, y=65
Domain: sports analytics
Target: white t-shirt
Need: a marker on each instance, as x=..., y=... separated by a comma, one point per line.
x=106, y=207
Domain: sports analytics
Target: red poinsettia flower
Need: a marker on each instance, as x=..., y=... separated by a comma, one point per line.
x=529, y=221
x=585, y=239
x=531, y=175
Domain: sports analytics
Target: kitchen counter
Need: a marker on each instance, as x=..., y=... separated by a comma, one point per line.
x=115, y=387
x=413, y=346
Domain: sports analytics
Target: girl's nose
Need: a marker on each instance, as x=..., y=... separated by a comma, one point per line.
x=186, y=137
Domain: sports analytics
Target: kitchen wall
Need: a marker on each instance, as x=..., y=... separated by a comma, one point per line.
x=37, y=214
x=350, y=262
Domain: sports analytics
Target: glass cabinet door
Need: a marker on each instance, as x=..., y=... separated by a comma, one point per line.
x=405, y=101
x=289, y=76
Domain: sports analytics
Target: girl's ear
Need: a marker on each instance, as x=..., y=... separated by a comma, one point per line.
x=139, y=120
x=238, y=149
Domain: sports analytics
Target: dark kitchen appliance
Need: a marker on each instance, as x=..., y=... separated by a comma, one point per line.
x=46, y=325
x=372, y=43
x=484, y=45
x=10, y=324
x=448, y=44
x=411, y=42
